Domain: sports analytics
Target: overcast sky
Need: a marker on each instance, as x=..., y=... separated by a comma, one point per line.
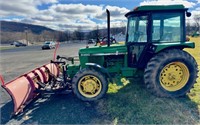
x=70, y=14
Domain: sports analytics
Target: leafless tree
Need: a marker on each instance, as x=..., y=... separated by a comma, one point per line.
x=47, y=35
x=189, y=28
x=79, y=35
x=197, y=21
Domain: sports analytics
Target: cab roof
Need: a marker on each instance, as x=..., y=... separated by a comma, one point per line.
x=146, y=8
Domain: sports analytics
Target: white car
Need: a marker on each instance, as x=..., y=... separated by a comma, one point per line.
x=49, y=45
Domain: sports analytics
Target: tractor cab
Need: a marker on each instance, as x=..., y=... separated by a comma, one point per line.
x=150, y=26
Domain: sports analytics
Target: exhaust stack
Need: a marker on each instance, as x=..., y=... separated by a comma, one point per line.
x=108, y=27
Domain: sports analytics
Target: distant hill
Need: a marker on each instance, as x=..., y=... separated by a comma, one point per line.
x=7, y=26
x=15, y=31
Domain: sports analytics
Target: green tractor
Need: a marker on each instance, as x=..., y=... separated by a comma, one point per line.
x=155, y=39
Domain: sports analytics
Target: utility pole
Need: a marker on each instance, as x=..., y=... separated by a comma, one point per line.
x=26, y=32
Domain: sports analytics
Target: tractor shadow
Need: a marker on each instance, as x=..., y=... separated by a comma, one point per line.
x=130, y=105
x=60, y=109
x=6, y=112
x=54, y=109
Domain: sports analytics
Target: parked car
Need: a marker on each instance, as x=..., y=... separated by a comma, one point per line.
x=49, y=45
x=18, y=44
x=91, y=41
x=104, y=41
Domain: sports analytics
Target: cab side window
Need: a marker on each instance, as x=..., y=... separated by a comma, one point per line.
x=167, y=27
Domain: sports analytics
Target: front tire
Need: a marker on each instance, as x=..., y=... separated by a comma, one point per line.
x=89, y=84
x=171, y=73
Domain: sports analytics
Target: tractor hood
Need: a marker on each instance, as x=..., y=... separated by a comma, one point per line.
x=103, y=50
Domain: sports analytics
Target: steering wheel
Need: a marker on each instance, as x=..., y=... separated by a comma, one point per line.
x=137, y=35
x=63, y=61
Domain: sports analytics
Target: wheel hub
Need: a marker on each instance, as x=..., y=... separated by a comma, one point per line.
x=174, y=76
x=89, y=86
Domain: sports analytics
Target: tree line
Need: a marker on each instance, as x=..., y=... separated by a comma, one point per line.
x=192, y=27
x=61, y=36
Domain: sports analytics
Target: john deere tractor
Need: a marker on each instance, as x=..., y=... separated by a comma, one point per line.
x=155, y=39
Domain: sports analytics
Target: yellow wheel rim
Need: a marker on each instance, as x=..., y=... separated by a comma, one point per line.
x=174, y=76
x=89, y=86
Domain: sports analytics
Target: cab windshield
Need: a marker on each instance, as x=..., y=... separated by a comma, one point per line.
x=166, y=27
x=137, y=29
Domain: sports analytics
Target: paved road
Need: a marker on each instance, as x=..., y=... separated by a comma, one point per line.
x=17, y=61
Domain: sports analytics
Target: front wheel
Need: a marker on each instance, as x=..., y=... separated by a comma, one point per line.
x=171, y=73
x=89, y=84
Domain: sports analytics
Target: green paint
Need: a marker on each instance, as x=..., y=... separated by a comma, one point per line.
x=97, y=54
x=103, y=49
x=161, y=46
x=159, y=7
x=128, y=72
x=72, y=69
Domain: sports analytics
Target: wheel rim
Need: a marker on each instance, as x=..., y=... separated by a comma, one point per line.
x=174, y=76
x=89, y=86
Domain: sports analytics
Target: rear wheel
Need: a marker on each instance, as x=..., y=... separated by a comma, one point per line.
x=171, y=73
x=89, y=85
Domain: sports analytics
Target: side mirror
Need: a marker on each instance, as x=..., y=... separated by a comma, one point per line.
x=188, y=14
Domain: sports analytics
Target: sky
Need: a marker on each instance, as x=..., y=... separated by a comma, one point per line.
x=83, y=14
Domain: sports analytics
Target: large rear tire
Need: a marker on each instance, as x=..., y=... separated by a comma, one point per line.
x=89, y=84
x=171, y=73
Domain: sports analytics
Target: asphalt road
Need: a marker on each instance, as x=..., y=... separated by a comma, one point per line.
x=17, y=61
x=20, y=60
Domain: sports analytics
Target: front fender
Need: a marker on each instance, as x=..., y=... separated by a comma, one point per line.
x=99, y=68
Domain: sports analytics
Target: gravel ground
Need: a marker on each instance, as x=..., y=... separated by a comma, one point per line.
x=18, y=61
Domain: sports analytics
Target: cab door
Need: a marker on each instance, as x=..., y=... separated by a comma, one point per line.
x=137, y=39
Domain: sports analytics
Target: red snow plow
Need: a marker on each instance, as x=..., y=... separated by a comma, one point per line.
x=26, y=87
x=47, y=79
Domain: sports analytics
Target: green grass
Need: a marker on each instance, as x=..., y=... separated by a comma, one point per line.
x=6, y=47
x=194, y=95
x=133, y=104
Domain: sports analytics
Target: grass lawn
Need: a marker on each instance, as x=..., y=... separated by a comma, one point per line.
x=6, y=47
x=194, y=95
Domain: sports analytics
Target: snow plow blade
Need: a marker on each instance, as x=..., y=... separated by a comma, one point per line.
x=23, y=89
